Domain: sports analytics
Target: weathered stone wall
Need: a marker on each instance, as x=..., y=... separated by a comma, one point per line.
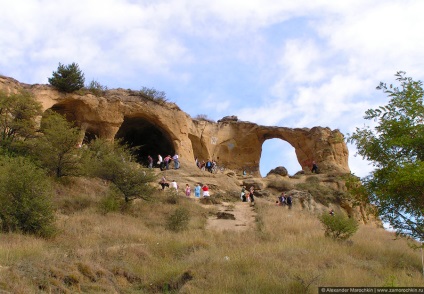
x=235, y=144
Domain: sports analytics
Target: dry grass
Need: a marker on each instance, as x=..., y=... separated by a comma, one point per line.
x=133, y=252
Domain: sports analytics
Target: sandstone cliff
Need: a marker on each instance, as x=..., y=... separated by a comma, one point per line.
x=163, y=128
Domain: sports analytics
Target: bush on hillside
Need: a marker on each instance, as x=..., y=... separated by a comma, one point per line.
x=67, y=78
x=171, y=197
x=111, y=202
x=114, y=162
x=338, y=226
x=178, y=221
x=56, y=148
x=17, y=117
x=25, y=197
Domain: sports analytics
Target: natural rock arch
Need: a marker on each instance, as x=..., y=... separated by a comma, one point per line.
x=235, y=144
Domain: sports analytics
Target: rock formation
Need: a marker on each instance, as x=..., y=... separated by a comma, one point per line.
x=163, y=128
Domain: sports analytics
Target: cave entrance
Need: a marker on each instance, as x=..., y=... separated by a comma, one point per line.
x=277, y=152
x=148, y=138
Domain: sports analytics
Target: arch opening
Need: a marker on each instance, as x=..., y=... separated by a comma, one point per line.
x=148, y=138
x=277, y=152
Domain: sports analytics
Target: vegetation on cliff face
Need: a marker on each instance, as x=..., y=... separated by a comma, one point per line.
x=395, y=146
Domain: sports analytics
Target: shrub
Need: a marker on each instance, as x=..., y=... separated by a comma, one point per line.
x=67, y=78
x=25, y=197
x=178, y=221
x=204, y=117
x=171, y=196
x=338, y=226
x=112, y=202
x=96, y=88
x=153, y=94
x=113, y=162
x=18, y=113
x=56, y=148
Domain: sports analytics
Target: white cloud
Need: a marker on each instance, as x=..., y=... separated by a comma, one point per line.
x=304, y=63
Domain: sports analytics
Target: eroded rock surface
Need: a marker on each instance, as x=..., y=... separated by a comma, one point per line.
x=163, y=128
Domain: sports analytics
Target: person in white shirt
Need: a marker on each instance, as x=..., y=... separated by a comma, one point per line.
x=174, y=185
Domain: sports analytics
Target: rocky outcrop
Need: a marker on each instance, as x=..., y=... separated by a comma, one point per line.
x=279, y=170
x=159, y=127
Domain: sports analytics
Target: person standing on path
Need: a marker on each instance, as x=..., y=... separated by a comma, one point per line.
x=205, y=189
x=197, y=190
x=187, y=190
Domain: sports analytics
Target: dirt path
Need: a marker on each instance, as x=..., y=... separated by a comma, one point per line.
x=244, y=217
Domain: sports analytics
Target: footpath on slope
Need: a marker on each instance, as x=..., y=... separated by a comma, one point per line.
x=244, y=217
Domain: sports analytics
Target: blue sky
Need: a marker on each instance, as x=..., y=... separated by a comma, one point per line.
x=278, y=63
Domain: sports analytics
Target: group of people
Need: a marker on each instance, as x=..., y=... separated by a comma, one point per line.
x=248, y=195
x=209, y=165
x=164, y=163
x=198, y=189
x=284, y=200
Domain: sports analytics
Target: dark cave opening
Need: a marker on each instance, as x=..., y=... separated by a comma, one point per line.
x=148, y=138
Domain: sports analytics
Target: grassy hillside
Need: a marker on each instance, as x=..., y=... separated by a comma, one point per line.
x=134, y=251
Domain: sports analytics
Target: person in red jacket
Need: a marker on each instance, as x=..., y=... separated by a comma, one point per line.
x=205, y=189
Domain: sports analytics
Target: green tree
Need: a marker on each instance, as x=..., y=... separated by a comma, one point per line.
x=357, y=194
x=395, y=146
x=67, y=78
x=114, y=162
x=25, y=197
x=56, y=149
x=17, y=116
x=338, y=226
